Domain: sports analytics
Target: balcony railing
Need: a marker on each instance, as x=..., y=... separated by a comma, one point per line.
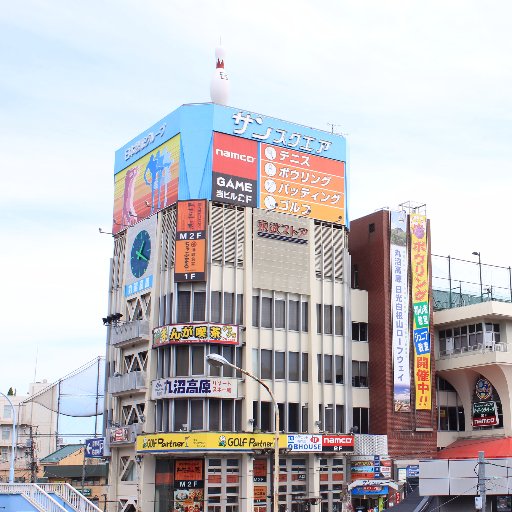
x=480, y=348
x=132, y=381
x=130, y=331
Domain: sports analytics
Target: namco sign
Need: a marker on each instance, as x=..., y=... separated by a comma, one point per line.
x=337, y=443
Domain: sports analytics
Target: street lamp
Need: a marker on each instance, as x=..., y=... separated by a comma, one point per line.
x=13, y=444
x=477, y=253
x=218, y=361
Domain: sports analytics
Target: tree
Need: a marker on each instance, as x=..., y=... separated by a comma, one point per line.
x=11, y=392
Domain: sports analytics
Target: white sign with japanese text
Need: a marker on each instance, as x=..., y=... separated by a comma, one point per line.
x=190, y=387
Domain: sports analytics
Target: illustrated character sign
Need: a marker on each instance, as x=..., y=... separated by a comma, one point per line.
x=157, y=176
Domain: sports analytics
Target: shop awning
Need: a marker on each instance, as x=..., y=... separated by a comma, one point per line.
x=359, y=483
x=469, y=448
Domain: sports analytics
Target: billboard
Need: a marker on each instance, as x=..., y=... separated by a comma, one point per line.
x=147, y=185
x=234, y=170
x=204, y=332
x=94, y=448
x=421, y=310
x=398, y=258
x=208, y=151
x=302, y=184
x=190, y=246
x=186, y=387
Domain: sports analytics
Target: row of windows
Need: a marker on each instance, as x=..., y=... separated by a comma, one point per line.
x=280, y=314
x=451, y=418
x=190, y=360
x=225, y=307
x=329, y=319
x=280, y=365
x=468, y=337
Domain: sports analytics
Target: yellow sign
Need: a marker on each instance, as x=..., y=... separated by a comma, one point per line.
x=219, y=441
x=421, y=310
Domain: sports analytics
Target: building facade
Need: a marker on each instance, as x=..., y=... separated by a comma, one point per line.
x=36, y=434
x=230, y=238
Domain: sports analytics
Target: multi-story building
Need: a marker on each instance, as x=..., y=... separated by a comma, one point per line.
x=473, y=332
x=36, y=431
x=230, y=239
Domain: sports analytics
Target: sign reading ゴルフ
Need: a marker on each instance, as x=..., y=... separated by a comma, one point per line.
x=190, y=254
x=176, y=334
x=234, y=170
x=184, y=387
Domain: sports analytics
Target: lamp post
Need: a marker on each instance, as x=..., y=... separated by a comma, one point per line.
x=477, y=253
x=218, y=361
x=13, y=444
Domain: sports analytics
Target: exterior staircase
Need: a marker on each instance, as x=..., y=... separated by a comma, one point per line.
x=43, y=498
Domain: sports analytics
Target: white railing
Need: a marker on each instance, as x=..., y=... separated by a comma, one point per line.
x=36, y=496
x=131, y=381
x=71, y=496
x=480, y=348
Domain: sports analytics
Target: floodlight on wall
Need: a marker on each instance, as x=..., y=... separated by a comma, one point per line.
x=112, y=319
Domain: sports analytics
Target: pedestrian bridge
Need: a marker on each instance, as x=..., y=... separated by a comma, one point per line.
x=43, y=498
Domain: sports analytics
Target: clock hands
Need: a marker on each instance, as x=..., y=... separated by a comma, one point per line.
x=139, y=252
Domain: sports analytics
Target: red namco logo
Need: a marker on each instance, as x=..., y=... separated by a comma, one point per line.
x=338, y=440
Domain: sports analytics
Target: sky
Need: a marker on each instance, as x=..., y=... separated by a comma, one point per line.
x=421, y=90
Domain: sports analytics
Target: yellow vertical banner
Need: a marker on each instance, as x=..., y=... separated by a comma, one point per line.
x=421, y=311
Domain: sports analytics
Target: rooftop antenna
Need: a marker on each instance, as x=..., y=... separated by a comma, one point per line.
x=219, y=85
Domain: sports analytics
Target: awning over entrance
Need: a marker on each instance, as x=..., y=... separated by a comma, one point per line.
x=469, y=448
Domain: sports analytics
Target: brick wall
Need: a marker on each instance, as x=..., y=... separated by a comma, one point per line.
x=369, y=248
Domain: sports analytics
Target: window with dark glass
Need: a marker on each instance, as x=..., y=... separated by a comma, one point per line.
x=339, y=369
x=255, y=311
x=196, y=415
x=280, y=365
x=328, y=369
x=229, y=308
x=338, y=321
x=293, y=315
x=293, y=417
x=265, y=424
x=361, y=419
x=240, y=309
x=214, y=413
x=216, y=307
x=360, y=374
x=180, y=414
x=267, y=315
x=320, y=368
x=328, y=319
x=266, y=364
x=280, y=314
x=339, y=418
x=183, y=306
x=319, y=320
x=359, y=331
x=199, y=307
x=227, y=415
x=305, y=370
x=182, y=360
x=198, y=360
x=304, y=317
x=293, y=366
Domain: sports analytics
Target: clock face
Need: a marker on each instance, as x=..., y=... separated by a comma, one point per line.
x=141, y=253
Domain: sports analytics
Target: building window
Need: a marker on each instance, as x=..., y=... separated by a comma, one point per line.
x=280, y=365
x=293, y=417
x=304, y=316
x=451, y=418
x=7, y=412
x=293, y=315
x=325, y=368
x=280, y=312
x=360, y=374
x=443, y=385
x=255, y=311
x=359, y=331
x=339, y=370
x=267, y=317
x=6, y=433
x=338, y=321
x=183, y=306
x=361, y=419
x=266, y=364
x=305, y=369
x=293, y=366
x=199, y=307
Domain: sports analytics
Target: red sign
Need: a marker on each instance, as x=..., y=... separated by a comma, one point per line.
x=190, y=247
x=235, y=168
x=188, y=469
x=337, y=443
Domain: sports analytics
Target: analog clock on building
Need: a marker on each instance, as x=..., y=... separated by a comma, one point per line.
x=141, y=253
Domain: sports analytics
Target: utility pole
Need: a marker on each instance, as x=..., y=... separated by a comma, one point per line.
x=481, y=478
x=32, y=457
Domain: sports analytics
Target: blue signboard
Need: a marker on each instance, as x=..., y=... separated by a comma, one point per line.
x=364, y=490
x=94, y=448
x=413, y=471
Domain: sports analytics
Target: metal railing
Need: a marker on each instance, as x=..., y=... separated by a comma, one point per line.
x=138, y=329
x=480, y=348
x=36, y=496
x=131, y=381
x=457, y=282
x=71, y=496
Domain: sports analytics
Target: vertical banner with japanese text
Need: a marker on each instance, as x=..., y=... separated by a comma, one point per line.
x=400, y=311
x=421, y=310
x=190, y=247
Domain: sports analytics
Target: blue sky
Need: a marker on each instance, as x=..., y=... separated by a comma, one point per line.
x=421, y=90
